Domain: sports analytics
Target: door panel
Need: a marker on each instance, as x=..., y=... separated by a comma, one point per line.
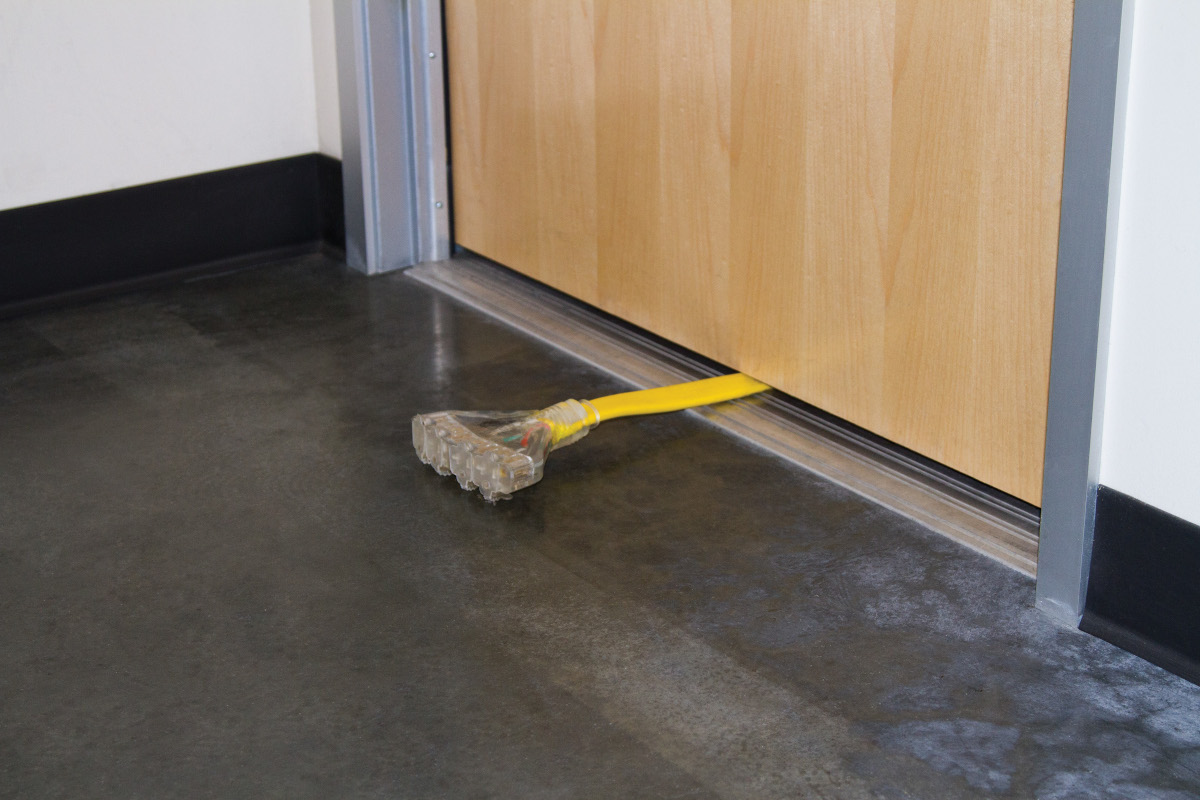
x=855, y=202
x=525, y=167
x=973, y=211
x=662, y=80
x=811, y=155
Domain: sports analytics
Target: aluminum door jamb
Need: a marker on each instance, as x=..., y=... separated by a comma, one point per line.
x=393, y=120
x=1087, y=245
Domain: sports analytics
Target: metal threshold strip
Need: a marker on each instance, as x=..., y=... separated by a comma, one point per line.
x=979, y=519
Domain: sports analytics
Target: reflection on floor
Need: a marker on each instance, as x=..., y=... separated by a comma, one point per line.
x=224, y=573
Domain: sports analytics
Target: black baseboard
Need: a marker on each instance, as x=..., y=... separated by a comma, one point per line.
x=124, y=238
x=1144, y=587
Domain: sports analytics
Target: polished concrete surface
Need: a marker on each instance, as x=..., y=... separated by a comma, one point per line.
x=223, y=573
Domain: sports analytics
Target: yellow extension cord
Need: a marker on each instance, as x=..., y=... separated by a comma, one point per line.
x=499, y=453
x=667, y=398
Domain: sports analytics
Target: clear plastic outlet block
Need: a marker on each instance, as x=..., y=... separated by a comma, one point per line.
x=496, y=452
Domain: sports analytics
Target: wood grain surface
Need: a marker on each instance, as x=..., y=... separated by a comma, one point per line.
x=856, y=202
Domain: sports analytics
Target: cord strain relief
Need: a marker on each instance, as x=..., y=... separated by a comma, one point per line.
x=568, y=420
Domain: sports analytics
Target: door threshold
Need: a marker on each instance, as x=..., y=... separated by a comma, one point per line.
x=983, y=519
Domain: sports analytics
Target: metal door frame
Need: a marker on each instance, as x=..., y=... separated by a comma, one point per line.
x=1087, y=248
x=391, y=95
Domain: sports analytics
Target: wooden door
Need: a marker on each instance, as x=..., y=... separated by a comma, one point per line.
x=856, y=202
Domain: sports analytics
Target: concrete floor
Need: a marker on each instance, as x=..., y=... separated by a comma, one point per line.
x=223, y=573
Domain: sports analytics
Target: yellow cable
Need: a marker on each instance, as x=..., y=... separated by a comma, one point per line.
x=652, y=401
x=672, y=398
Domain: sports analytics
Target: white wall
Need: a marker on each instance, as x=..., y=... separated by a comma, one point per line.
x=101, y=95
x=1151, y=444
x=329, y=132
